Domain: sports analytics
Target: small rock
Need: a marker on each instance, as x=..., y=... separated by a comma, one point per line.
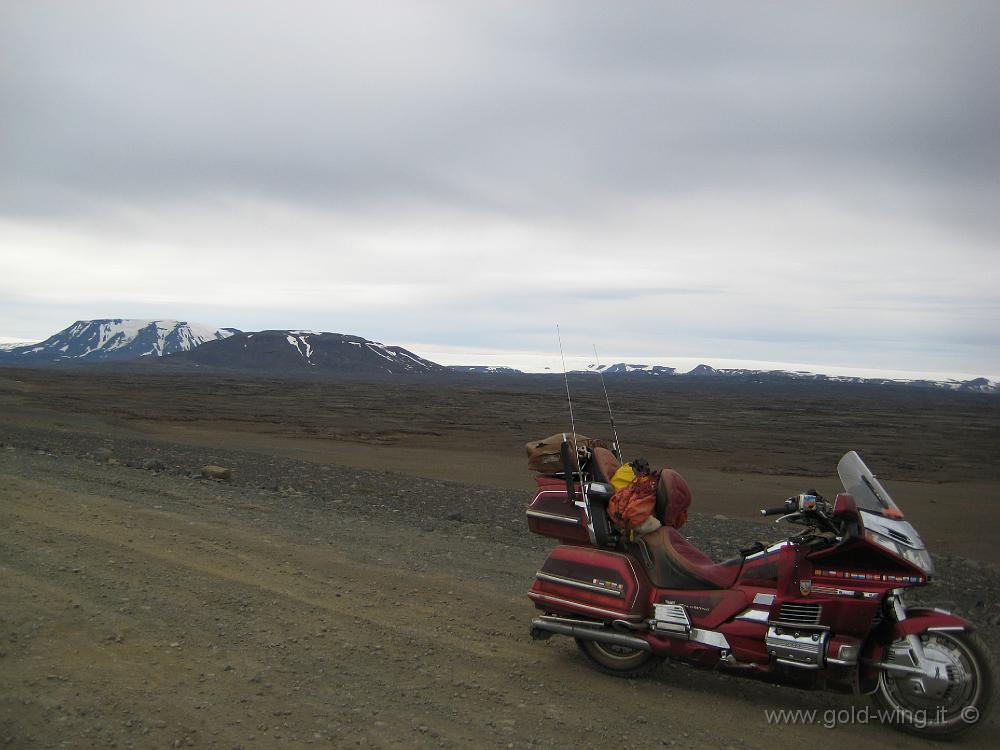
x=152, y=464
x=219, y=473
x=454, y=516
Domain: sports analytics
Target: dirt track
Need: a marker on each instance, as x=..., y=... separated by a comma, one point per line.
x=147, y=611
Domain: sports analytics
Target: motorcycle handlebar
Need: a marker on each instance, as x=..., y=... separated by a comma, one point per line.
x=772, y=511
x=789, y=506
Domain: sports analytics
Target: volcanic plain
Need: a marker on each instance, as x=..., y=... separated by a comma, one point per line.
x=359, y=579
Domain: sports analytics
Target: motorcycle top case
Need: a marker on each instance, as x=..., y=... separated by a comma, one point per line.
x=592, y=583
x=552, y=514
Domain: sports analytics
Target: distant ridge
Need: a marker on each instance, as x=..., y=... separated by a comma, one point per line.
x=485, y=369
x=707, y=372
x=293, y=351
x=278, y=352
x=622, y=368
x=114, y=339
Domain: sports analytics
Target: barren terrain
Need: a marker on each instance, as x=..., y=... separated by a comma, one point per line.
x=361, y=579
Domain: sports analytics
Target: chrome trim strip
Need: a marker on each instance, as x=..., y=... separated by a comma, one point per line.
x=898, y=668
x=562, y=493
x=855, y=593
x=766, y=599
x=753, y=615
x=709, y=638
x=553, y=517
x=800, y=665
x=947, y=629
x=841, y=662
x=577, y=605
x=798, y=625
x=831, y=590
x=551, y=492
x=635, y=577
x=576, y=583
x=772, y=548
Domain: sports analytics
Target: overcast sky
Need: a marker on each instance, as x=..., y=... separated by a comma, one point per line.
x=792, y=182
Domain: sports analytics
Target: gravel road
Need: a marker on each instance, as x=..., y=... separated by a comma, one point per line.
x=315, y=605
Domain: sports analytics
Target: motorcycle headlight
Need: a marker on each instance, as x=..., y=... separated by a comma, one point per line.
x=919, y=557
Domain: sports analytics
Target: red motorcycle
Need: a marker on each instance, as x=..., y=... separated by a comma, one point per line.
x=821, y=609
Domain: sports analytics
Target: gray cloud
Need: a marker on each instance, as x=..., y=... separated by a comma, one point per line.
x=776, y=174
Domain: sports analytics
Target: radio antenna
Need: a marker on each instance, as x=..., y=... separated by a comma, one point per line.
x=569, y=400
x=611, y=416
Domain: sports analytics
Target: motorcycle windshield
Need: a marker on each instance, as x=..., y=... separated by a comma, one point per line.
x=881, y=518
x=868, y=492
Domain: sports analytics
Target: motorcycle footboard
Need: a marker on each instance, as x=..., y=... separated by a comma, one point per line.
x=595, y=584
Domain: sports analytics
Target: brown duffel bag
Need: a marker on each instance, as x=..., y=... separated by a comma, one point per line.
x=545, y=457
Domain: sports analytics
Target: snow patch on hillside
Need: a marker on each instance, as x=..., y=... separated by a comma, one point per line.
x=117, y=338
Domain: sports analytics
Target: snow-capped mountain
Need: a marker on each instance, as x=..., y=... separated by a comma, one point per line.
x=278, y=352
x=115, y=339
x=622, y=368
x=976, y=385
x=484, y=370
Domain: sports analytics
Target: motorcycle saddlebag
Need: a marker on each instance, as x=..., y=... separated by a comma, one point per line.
x=592, y=583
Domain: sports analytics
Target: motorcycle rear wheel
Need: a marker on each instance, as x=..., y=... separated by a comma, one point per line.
x=618, y=661
x=966, y=700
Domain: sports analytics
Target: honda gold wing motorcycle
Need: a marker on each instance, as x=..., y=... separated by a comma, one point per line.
x=824, y=608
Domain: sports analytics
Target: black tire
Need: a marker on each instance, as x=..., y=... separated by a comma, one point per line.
x=618, y=661
x=966, y=709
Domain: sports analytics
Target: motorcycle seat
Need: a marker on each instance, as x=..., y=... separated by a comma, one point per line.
x=675, y=563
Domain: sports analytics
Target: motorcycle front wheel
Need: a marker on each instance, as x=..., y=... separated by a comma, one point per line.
x=619, y=661
x=946, y=706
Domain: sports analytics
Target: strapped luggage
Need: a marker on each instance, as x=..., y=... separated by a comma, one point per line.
x=631, y=507
x=544, y=455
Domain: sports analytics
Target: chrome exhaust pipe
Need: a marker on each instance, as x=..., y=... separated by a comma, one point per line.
x=588, y=633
